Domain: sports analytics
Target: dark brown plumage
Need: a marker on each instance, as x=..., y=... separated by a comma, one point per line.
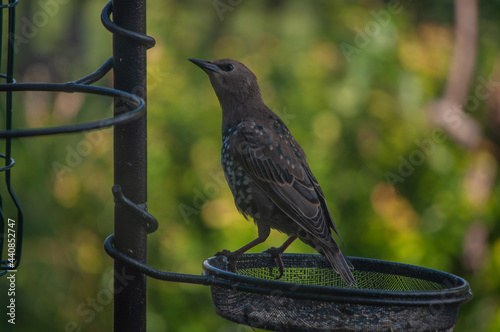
x=266, y=169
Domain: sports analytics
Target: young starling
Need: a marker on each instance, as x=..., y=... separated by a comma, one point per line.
x=266, y=169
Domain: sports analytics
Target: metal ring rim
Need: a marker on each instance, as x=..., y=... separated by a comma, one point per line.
x=72, y=88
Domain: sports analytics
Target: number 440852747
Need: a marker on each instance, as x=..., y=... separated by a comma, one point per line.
x=11, y=242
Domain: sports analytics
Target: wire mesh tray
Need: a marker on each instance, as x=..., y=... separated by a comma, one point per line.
x=310, y=296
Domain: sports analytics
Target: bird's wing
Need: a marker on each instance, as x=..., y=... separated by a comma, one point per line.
x=322, y=200
x=277, y=164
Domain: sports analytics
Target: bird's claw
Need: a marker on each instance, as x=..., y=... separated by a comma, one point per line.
x=223, y=252
x=231, y=258
x=276, y=253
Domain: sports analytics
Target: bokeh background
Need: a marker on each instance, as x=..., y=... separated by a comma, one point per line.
x=354, y=86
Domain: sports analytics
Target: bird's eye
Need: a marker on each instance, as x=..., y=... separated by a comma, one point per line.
x=229, y=67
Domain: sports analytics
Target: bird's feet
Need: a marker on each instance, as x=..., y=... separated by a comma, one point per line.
x=231, y=256
x=276, y=253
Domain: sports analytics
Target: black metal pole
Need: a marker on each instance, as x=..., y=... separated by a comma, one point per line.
x=130, y=165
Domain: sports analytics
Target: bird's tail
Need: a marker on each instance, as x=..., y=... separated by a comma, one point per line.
x=340, y=263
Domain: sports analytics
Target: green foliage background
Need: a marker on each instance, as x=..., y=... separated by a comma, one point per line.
x=358, y=117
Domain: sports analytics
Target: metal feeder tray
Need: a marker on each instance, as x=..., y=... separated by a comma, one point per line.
x=311, y=296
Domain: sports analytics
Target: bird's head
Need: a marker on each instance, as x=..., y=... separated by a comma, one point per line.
x=232, y=81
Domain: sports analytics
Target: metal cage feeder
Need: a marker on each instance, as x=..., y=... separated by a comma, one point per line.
x=311, y=296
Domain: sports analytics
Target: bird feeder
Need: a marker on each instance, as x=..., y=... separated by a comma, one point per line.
x=311, y=296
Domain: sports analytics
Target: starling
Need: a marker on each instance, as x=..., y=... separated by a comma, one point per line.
x=266, y=170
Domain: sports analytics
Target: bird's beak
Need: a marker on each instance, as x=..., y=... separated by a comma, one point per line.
x=205, y=65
